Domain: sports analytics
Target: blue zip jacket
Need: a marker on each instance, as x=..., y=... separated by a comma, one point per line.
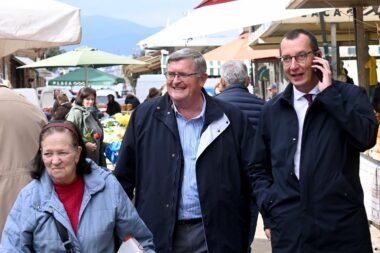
x=106, y=212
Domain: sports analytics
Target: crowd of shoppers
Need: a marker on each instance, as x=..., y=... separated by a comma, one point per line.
x=198, y=168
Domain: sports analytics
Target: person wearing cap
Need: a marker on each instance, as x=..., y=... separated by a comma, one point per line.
x=272, y=90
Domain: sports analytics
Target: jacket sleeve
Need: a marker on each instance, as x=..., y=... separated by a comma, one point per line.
x=76, y=117
x=261, y=169
x=125, y=169
x=129, y=223
x=354, y=113
x=16, y=237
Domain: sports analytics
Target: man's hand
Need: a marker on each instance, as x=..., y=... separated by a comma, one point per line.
x=267, y=233
x=324, y=66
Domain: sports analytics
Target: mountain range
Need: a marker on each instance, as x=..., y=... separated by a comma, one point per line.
x=118, y=36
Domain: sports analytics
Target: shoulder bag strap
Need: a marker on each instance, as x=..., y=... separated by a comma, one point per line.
x=62, y=231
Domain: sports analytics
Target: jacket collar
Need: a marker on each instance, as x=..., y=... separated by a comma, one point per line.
x=286, y=96
x=94, y=182
x=165, y=112
x=213, y=111
x=235, y=86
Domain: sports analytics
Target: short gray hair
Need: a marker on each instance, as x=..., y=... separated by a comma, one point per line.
x=234, y=72
x=188, y=53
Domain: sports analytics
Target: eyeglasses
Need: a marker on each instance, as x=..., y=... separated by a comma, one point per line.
x=300, y=58
x=172, y=75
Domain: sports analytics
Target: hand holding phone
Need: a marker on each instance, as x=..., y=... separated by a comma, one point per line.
x=323, y=71
x=317, y=71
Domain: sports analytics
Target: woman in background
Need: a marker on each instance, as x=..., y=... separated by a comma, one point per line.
x=63, y=108
x=153, y=92
x=83, y=116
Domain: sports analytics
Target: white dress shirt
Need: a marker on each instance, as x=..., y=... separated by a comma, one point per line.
x=300, y=105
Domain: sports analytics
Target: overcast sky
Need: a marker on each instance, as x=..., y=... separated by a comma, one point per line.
x=150, y=13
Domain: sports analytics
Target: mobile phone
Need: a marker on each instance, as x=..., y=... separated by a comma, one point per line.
x=318, y=72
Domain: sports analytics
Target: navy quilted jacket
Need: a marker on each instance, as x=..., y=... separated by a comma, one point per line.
x=239, y=95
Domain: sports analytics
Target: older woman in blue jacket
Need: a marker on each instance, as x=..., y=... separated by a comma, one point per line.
x=67, y=189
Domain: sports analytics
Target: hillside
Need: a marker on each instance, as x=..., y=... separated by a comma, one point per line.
x=118, y=36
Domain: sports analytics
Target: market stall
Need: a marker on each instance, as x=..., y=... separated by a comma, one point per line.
x=114, y=128
x=370, y=179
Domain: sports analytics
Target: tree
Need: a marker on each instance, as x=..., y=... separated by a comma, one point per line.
x=53, y=51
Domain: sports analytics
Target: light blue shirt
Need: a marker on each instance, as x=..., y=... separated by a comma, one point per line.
x=190, y=133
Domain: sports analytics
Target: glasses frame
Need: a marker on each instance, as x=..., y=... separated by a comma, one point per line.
x=288, y=59
x=172, y=75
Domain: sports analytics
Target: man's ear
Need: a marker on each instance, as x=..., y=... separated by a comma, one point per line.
x=247, y=81
x=203, y=77
x=223, y=83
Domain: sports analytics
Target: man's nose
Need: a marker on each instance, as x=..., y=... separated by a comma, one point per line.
x=293, y=63
x=177, y=78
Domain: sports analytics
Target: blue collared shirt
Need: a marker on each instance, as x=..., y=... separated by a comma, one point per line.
x=190, y=133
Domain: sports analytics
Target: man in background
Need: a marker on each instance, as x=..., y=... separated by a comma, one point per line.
x=272, y=91
x=20, y=126
x=235, y=79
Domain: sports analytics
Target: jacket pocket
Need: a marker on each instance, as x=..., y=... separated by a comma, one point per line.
x=269, y=200
x=347, y=191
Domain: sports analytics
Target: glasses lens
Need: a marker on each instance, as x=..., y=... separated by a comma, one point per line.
x=170, y=75
x=286, y=59
x=301, y=57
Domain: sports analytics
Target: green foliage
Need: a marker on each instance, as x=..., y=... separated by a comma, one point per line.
x=53, y=51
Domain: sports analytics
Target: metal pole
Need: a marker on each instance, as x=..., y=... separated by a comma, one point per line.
x=361, y=47
x=324, y=37
x=334, y=51
x=86, y=75
x=253, y=83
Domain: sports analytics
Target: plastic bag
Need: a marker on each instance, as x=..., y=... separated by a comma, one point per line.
x=112, y=151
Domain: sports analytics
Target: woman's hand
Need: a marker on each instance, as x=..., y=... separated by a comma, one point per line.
x=90, y=146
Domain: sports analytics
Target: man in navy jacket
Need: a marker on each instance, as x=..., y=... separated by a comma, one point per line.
x=186, y=156
x=306, y=156
x=234, y=77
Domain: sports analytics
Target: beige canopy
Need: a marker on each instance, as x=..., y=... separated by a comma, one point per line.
x=37, y=24
x=238, y=49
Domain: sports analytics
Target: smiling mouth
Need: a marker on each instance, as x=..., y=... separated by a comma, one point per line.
x=297, y=75
x=178, y=88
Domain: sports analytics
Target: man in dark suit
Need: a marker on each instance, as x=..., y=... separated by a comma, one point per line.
x=306, y=156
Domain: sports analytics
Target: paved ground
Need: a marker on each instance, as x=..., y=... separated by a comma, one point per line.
x=262, y=245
